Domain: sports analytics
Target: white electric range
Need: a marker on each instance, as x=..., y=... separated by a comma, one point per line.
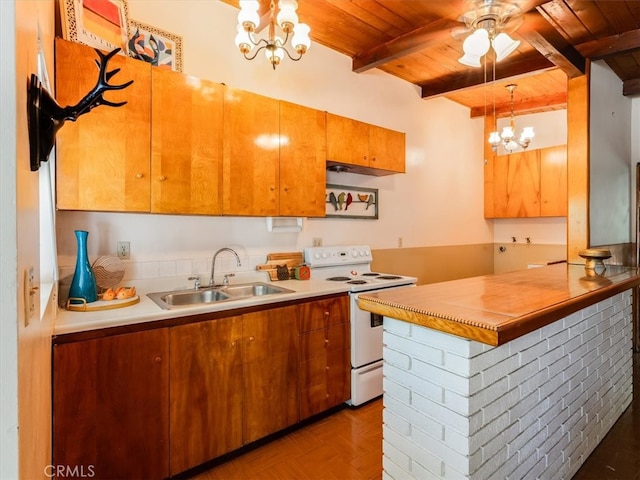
x=351, y=265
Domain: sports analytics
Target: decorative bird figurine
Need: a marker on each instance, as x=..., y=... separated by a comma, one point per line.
x=341, y=200
x=333, y=201
x=369, y=202
x=349, y=201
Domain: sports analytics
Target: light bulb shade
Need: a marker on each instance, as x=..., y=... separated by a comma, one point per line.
x=494, y=139
x=470, y=60
x=511, y=145
x=527, y=134
x=275, y=54
x=249, y=13
x=243, y=40
x=286, y=15
x=477, y=44
x=507, y=133
x=301, y=41
x=504, y=45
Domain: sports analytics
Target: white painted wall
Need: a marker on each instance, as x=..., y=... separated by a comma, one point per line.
x=439, y=201
x=610, y=177
x=9, y=258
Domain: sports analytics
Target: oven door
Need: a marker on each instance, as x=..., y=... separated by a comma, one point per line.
x=366, y=333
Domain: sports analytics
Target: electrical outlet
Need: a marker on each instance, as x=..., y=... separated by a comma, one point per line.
x=123, y=249
x=317, y=242
x=400, y=242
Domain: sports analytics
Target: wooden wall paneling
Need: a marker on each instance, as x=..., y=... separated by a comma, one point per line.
x=577, y=166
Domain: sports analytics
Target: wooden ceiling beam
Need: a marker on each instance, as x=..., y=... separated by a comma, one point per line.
x=626, y=42
x=631, y=87
x=542, y=36
x=431, y=34
x=530, y=105
x=520, y=66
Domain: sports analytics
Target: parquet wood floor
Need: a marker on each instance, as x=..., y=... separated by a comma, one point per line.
x=348, y=446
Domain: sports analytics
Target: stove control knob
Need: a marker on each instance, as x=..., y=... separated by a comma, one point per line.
x=324, y=254
x=354, y=253
x=362, y=253
x=316, y=255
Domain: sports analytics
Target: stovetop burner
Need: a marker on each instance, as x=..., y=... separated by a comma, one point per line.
x=388, y=277
x=370, y=274
x=357, y=282
x=338, y=279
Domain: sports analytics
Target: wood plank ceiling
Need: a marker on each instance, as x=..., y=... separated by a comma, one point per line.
x=415, y=40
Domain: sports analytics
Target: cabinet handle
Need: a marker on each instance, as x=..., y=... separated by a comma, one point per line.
x=286, y=189
x=373, y=159
x=326, y=341
x=327, y=367
x=365, y=157
x=272, y=188
x=233, y=344
x=162, y=178
x=252, y=338
x=139, y=175
x=158, y=359
x=327, y=313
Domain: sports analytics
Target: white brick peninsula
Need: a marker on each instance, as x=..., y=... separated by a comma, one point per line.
x=511, y=376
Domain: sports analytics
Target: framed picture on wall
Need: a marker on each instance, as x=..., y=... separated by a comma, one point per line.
x=102, y=24
x=351, y=202
x=155, y=46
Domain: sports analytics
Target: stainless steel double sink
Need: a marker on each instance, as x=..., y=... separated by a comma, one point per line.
x=203, y=296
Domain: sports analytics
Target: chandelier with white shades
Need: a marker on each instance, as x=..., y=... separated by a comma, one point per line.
x=508, y=138
x=488, y=24
x=282, y=14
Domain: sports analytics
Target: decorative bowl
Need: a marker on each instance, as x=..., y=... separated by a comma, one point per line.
x=594, y=257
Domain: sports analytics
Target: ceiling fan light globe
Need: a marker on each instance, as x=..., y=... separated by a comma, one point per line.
x=470, y=60
x=504, y=45
x=477, y=44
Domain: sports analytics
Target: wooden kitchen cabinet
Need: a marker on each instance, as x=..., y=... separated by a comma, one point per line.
x=110, y=404
x=206, y=391
x=530, y=183
x=186, y=144
x=102, y=159
x=269, y=371
x=274, y=157
x=364, y=148
x=251, y=159
x=325, y=363
x=303, y=156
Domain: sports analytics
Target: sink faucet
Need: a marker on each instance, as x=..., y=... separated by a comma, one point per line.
x=213, y=262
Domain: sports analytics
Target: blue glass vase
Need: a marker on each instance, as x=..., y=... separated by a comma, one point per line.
x=83, y=285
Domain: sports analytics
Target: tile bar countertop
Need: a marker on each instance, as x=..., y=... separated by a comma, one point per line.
x=495, y=309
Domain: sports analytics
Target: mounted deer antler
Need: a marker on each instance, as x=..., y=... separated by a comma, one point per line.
x=46, y=116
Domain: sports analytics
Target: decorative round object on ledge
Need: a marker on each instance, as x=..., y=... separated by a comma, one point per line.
x=595, y=258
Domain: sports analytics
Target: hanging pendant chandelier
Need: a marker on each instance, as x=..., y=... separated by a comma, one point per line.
x=282, y=14
x=508, y=138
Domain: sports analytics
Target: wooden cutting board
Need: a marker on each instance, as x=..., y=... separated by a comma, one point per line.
x=288, y=259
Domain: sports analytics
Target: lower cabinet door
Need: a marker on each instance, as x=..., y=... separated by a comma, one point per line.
x=270, y=372
x=110, y=403
x=206, y=391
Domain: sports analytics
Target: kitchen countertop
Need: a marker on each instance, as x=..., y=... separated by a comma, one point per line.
x=495, y=309
x=148, y=311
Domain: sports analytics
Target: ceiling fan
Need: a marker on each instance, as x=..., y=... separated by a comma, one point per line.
x=487, y=24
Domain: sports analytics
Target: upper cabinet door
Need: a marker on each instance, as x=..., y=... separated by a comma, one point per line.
x=251, y=154
x=517, y=185
x=553, y=181
x=103, y=158
x=386, y=149
x=186, y=144
x=303, y=154
x=347, y=140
